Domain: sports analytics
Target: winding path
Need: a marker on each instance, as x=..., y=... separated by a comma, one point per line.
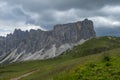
x=24, y=75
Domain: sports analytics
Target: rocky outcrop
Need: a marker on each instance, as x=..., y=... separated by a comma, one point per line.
x=38, y=44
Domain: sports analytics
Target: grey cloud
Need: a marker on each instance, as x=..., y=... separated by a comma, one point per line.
x=88, y=7
x=15, y=13
x=51, y=12
x=106, y=31
x=38, y=5
x=14, y=16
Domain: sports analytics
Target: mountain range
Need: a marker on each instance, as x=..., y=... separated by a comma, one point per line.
x=37, y=44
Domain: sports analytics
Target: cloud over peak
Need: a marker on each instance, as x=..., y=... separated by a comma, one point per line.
x=14, y=16
x=47, y=13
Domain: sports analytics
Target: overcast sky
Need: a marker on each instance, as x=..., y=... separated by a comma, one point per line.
x=43, y=14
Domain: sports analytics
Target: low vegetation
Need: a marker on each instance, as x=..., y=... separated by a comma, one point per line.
x=97, y=58
x=107, y=69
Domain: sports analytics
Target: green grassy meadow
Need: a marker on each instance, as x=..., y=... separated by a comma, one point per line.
x=74, y=64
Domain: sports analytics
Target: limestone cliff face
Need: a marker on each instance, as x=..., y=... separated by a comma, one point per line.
x=38, y=44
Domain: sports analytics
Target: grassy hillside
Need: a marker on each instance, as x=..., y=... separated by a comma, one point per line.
x=106, y=69
x=71, y=59
x=95, y=45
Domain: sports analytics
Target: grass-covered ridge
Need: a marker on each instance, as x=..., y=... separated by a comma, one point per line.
x=91, y=51
x=95, y=45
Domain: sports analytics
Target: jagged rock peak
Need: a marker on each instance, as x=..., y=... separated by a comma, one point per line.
x=38, y=44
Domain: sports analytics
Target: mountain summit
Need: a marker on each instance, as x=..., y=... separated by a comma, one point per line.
x=38, y=44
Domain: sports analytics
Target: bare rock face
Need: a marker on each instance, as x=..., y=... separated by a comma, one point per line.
x=38, y=44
